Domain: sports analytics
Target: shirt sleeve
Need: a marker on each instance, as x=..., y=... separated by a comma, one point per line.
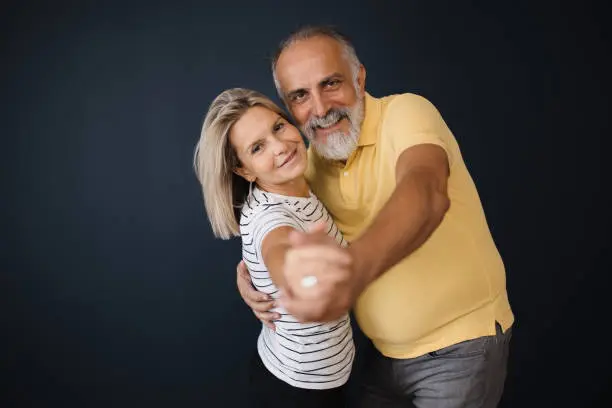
x=270, y=219
x=412, y=120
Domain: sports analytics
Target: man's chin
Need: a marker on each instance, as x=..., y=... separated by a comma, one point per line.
x=324, y=137
x=328, y=153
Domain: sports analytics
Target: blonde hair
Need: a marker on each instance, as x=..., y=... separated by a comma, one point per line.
x=215, y=159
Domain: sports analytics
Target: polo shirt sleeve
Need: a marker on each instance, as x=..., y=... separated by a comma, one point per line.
x=412, y=120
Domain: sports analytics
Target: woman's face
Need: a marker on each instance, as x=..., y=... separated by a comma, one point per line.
x=271, y=150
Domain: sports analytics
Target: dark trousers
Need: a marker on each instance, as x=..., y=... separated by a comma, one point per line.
x=268, y=391
x=469, y=374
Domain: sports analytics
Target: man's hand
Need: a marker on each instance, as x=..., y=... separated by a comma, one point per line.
x=260, y=303
x=338, y=282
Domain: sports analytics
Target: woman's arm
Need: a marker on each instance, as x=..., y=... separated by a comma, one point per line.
x=273, y=249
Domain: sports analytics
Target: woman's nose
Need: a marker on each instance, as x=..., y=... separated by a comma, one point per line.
x=279, y=147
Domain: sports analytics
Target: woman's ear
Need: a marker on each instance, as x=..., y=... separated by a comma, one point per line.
x=245, y=174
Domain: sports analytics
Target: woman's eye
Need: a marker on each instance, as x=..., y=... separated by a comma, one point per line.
x=255, y=148
x=278, y=126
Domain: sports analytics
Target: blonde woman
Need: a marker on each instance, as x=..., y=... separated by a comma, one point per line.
x=250, y=161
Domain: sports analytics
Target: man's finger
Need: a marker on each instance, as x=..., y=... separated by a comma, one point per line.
x=251, y=295
x=246, y=288
x=267, y=316
x=242, y=274
x=259, y=306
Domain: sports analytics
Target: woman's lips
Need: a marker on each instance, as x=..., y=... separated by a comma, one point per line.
x=289, y=158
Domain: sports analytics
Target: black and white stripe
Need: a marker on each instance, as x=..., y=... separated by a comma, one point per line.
x=305, y=355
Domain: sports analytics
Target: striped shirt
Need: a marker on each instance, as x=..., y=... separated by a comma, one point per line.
x=304, y=355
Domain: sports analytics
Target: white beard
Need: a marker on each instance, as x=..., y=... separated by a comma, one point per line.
x=337, y=145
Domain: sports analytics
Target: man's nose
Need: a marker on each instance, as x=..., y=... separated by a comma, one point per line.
x=319, y=105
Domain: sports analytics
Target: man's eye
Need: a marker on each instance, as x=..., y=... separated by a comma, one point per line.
x=297, y=97
x=332, y=83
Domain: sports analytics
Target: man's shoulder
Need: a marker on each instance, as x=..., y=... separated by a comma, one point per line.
x=405, y=103
x=409, y=112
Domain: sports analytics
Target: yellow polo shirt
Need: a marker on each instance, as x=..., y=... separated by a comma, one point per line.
x=452, y=288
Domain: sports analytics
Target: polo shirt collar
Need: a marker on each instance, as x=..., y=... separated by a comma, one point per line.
x=369, y=134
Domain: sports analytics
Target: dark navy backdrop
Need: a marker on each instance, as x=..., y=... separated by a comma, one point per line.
x=116, y=293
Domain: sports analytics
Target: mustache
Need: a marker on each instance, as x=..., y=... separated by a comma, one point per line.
x=332, y=116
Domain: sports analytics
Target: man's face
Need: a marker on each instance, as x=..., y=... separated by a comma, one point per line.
x=323, y=95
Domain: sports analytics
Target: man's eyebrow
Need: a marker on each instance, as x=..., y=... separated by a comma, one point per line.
x=295, y=91
x=328, y=78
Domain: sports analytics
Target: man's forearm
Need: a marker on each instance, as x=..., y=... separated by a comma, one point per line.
x=413, y=212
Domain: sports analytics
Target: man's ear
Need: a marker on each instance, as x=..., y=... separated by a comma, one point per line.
x=245, y=174
x=361, y=78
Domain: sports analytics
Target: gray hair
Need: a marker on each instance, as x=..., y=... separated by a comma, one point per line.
x=307, y=32
x=215, y=159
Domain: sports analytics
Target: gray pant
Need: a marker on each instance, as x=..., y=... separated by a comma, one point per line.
x=469, y=374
